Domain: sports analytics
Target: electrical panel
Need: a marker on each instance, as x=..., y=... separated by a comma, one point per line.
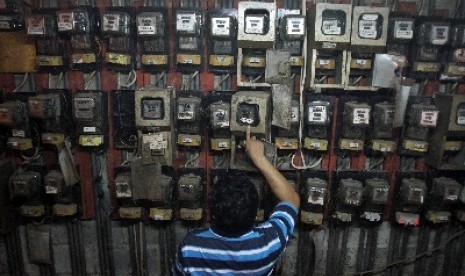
x=223, y=41
x=190, y=189
x=189, y=39
x=448, y=136
x=421, y=118
x=251, y=108
x=356, y=119
x=318, y=113
x=89, y=113
x=153, y=35
x=117, y=27
x=314, y=194
x=257, y=27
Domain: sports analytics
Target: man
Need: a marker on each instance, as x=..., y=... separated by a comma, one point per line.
x=233, y=245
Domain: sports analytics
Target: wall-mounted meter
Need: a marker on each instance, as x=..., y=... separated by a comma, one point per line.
x=413, y=193
x=11, y=21
x=152, y=31
x=116, y=23
x=383, y=118
x=190, y=196
x=123, y=185
x=54, y=183
x=369, y=27
x=293, y=27
x=251, y=108
x=219, y=113
x=421, y=118
x=349, y=199
x=292, y=31
x=356, y=118
x=189, y=118
x=189, y=31
x=332, y=26
x=317, y=121
x=445, y=191
x=41, y=25
x=45, y=106
x=26, y=185
x=153, y=108
x=458, y=36
x=13, y=114
x=117, y=27
x=73, y=21
x=314, y=197
x=256, y=25
x=89, y=113
x=376, y=193
x=223, y=37
x=401, y=29
x=433, y=33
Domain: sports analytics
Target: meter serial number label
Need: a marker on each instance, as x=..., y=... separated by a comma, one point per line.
x=146, y=30
x=317, y=114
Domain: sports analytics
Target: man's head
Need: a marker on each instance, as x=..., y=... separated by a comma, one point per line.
x=233, y=203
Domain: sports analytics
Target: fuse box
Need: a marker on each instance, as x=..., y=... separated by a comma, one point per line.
x=153, y=34
x=251, y=108
x=153, y=108
x=223, y=40
x=190, y=31
x=314, y=197
x=449, y=134
x=89, y=113
x=257, y=27
x=190, y=196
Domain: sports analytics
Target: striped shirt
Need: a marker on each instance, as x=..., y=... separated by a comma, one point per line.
x=204, y=252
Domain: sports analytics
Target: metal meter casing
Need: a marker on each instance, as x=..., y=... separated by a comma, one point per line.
x=26, y=185
x=445, y=191
x=433, y=32
x=148, y=102
x=256, y=15
x=90, y=112
x=356, y=119
x=373, y=38
x=383, y=118
x=376, y=192
x=41, y=25
x=314, y=194
x=259, y=99
x=332, y=26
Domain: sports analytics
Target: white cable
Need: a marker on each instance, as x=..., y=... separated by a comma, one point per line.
x=26, y=75
x=88, y=79
x=128, y=82
x=217, y=87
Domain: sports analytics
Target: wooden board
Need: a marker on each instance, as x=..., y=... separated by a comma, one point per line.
x=17, y=53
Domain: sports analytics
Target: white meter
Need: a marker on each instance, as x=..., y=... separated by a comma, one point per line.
x=221, y=27
x=361, y=116
x=255, y=24
x=369, y=25
x=186, y=23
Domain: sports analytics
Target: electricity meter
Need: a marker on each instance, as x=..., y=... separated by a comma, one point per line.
x=292, y=27
x=458, y=36
x=188, y=109
x=123, y=184
x=315, y=192
x=333, y=22
x=369, y=26
x=54, y=183
x=350, y=192
x=376, y=191
x=222, y=27
x=413, y=191
x=26, y=185
x=401, y=29
x=219, y=115
x=150, y=23
x=44, y=106
x=73, y=21
x=251, y=109
x=446, y=191
x=188, y=22
x=256, y=24
x=331, y=29
x=460, y=115
x=153, y=108
x=41, y=25
x=190, y=196
x=156, y=148
x=356, y=119
x=116, y=23
x=383, y=116
x=13, y=114
x=318, y=113
x=433, y=33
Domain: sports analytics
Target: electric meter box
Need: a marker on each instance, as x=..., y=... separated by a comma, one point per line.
x=90, y=111
x=220, y=115
x=383, y=119
x=401, y=29
x=376, y=191
x=369, y=27
x=151, y=22
x=45, y=106
x=432, y=32
x=446, y=191
x=257, y=25
x=315, y=193
x=41, y=25
x=54, y=183
x=153, y=108
x=223, y=26
x=26, y=185
x=332, y=26
x=413, y=191
x=350, y=192
x=75, y=21
x=116, y=23
x=458, y=36
x=190, y=189
x=251, y=108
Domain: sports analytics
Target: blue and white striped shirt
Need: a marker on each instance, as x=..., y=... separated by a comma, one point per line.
x=204, y=252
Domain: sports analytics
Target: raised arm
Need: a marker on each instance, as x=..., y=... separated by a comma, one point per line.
x=278, y=183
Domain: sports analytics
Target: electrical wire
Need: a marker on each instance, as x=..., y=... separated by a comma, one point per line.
x=305, y=166
x=356, y=81
x=60, y=76
x=218, y=86
x=87, y=81
x=376, y=164
x=23, y=82
x=191, y=161
x=130, y=82
x=413, y=259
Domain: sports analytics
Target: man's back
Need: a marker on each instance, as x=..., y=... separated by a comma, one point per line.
x=207, y=252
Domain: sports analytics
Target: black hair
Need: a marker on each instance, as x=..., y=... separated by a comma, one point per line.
x=233, y=203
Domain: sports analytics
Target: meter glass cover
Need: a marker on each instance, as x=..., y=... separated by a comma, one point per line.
x=368, y=26
x=255, y=24
x=317, y=114
x=186, y=23
x=187, y=111
x=333, y=22
x=403, y=29
x=429, y=118
x=361, y=116
x=439, y=35
x=295, y=26
x=84, y=108
x=36, y=25
x=152, y=109
x=65, y=21
x=248, y=114
x=221, y=27
x=220, y=117
x=150, y=23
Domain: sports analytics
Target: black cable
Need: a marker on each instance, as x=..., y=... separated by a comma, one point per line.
x=162, y=245
x=404, y=248
x=361, y=249
x=342, y=256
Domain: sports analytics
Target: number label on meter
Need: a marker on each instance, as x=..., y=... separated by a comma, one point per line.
x=367, y=26
x=317, y=114
x=439, y=35
x=429, y=118
x=295, y=26
x=403, y=29
x=185, y=22
x=146, y=25
x=361, y=116
x=221, y=26
x=331, y=27
x=84, y=108
x=255, y=24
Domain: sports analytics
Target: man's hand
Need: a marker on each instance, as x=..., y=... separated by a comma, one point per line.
x=254, y=148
